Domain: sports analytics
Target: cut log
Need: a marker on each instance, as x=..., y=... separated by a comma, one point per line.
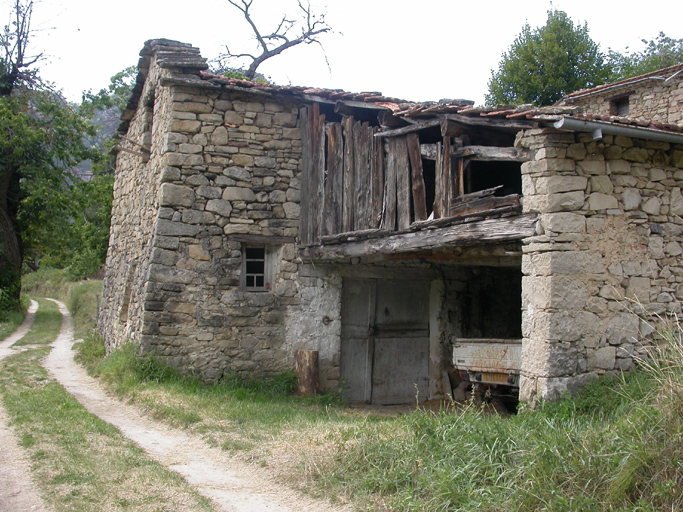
x=307, y=372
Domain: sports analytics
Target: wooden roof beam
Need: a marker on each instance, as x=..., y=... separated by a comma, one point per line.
x=475, y=233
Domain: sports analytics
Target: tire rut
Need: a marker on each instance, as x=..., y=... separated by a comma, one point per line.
x=18, y=492
x=231, y=485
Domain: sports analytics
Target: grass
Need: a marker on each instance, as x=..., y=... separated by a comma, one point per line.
x=80, y=462
x=616, y=446
x=9, y=321
x=46, y=325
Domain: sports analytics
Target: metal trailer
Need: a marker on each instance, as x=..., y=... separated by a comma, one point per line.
x=490, y=366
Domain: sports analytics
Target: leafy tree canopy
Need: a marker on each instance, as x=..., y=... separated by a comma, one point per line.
x=42, y=138
x=546, y=63
x=660, y=52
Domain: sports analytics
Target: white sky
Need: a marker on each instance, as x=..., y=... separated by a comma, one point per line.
x=415, y=50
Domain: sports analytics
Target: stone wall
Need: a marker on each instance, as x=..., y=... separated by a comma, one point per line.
x=655, y=99
x=223, y=164
x=134, y=214
x=605, y=263
x=230, y=166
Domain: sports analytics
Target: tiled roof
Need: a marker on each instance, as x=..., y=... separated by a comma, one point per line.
x=664, y=72
x=173, y=54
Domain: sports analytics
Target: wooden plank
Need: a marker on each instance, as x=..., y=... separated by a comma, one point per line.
x=403, y=217
x=417, y=177
x=389, y=218
x=362, y=134
x=376, y=179
x=318, y=185
x=507, y=124
x=446, y=179
x=334, y=180
x=388, y=120
x=349, y=199
x=409, y=129
x=493, y=154
x=488, y=213
x=437, y=210
x=306, y=172
x=357, y=315
x=261, y=239
x=484, y=204
x=477, y=195
x=449, y=129
x=353, y=236
x=484, y=232
x=461, y=177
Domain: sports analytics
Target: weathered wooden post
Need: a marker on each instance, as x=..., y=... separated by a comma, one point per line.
x=307, y=372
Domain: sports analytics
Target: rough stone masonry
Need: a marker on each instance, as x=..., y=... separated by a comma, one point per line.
x=205, y=168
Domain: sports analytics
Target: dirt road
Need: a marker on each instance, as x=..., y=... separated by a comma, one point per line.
x=18, y=492
x=231, y=485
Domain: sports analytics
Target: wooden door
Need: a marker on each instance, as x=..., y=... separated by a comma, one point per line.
x=385, y=340
x=358, y=311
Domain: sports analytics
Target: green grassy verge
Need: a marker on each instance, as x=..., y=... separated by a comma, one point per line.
x=235, y=414
x=9, y=321
x=81, y=297
x=617, y=446
x=80, y=462
x=46, y=325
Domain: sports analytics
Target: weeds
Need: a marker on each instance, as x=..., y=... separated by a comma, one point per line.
x=81, y=462
x=9, y=321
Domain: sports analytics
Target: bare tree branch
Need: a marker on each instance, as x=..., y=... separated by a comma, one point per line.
x=14, y=40
x=311, y=26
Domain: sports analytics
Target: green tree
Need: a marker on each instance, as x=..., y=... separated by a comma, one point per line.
x=41, y=139
x=544, y=64
x=660, y=52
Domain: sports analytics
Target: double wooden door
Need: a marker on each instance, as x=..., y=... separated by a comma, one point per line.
x=385, y=340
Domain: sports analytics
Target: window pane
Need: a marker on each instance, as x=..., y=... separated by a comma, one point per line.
x=256, y=267
x=255, y=253
x=260, y=281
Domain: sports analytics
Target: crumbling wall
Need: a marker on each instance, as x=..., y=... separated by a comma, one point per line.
x=605, y=264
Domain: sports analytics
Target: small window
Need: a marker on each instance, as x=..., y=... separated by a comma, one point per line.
x=620, y=106
x=255, y=268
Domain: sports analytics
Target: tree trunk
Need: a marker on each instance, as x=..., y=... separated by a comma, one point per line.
x=10, y=243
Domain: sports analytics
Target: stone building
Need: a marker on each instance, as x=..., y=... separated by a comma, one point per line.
x=656, y=96
x=250, y=221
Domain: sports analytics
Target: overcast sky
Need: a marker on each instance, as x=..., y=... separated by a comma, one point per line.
x=415, y=50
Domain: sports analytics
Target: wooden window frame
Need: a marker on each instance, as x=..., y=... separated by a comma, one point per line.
x=249, y=277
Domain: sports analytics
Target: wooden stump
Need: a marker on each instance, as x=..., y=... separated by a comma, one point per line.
x=307, y=372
